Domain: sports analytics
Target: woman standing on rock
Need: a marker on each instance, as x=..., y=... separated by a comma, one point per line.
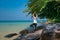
x=35, y=21
x=34, y=25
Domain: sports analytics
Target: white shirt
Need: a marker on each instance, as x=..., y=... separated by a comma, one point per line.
x=34, y=21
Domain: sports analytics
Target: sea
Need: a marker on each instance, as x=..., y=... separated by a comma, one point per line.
x=12, y=27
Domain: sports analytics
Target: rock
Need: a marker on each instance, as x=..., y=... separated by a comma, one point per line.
x=50, y=36
x=30, y=36
x=40, y=27
x=11, y=35
x=33, y=37
x=25, y=31
x=47, y=36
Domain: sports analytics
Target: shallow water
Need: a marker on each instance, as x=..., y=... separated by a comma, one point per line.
x=11, y=27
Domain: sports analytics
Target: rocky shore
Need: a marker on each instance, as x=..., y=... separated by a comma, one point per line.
x=39, y=34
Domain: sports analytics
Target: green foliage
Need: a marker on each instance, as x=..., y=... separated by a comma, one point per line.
x=45, y=8
x=51, y=11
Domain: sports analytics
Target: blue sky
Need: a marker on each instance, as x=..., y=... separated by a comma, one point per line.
x=13, y=10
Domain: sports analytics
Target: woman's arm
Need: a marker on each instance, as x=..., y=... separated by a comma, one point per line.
x=35, y=16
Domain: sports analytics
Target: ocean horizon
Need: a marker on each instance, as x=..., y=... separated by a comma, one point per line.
x=15, y=20
x=22, y=20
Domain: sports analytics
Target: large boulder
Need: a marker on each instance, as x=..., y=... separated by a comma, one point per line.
x=30, y=36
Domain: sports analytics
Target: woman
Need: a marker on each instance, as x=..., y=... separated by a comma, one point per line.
x=34, y=21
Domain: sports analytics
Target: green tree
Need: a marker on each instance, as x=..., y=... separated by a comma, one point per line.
x=45, y=8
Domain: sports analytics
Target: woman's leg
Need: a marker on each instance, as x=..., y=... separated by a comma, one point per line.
x=35, y=24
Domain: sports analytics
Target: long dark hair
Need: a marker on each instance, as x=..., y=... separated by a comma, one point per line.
x=34, y=15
